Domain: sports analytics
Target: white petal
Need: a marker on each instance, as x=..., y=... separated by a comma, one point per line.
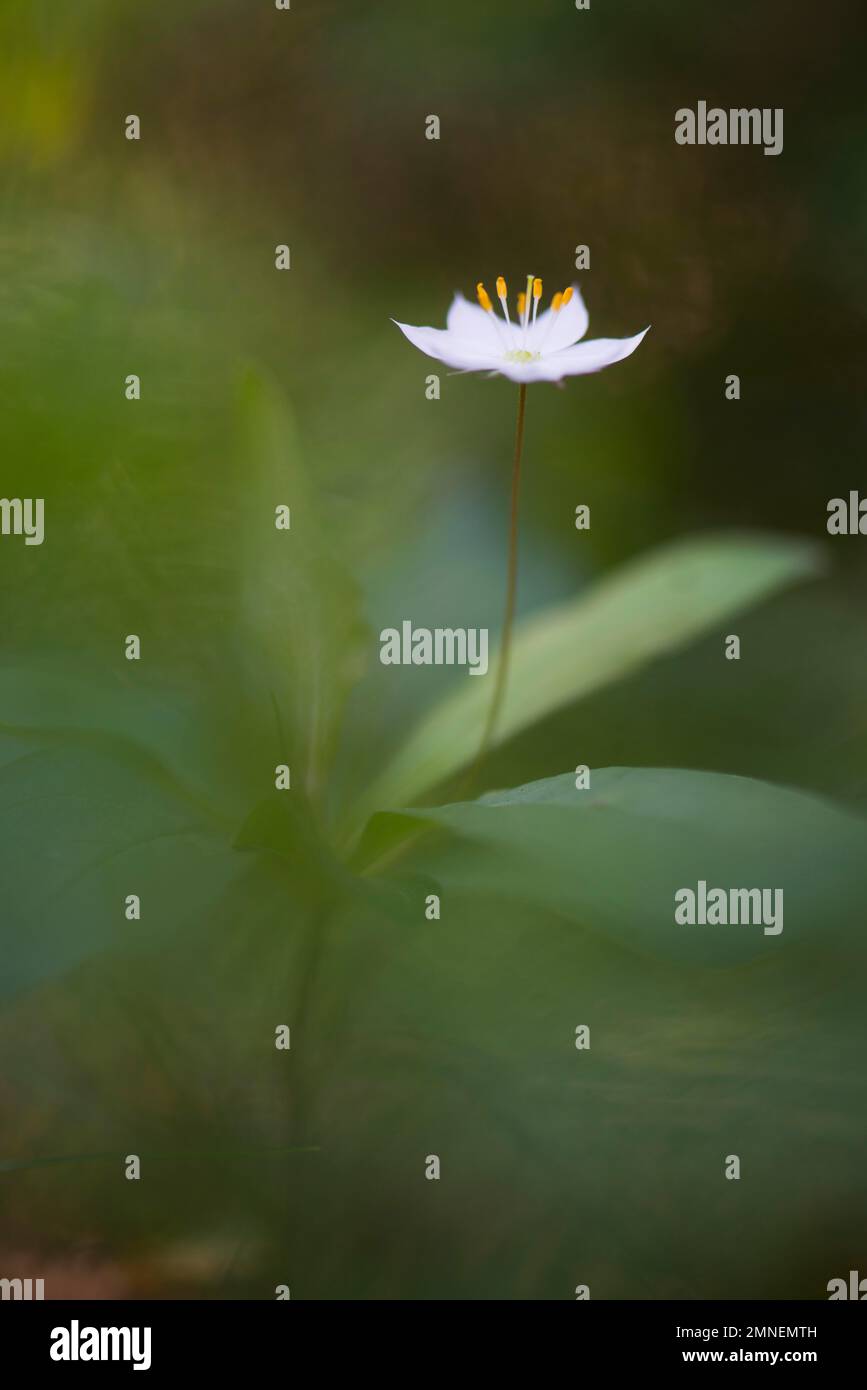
x=586, y=357
x=451, y=349
x=551, y=331
x=475, y=326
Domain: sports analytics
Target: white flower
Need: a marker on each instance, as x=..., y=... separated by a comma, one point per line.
x=531, y=347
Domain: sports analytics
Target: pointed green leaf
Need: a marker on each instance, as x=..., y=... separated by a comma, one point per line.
x=301, y=635
x=612, y=858
x=651, y=607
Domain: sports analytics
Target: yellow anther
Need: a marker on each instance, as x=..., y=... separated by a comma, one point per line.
x=537, y=288
x=522, y=304
x=567, y=295
x=557, y=301
x=502, y=289
x=484, y=298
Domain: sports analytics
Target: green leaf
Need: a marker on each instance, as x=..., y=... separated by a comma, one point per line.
x=459, y=1036
x=43, y=700
x=87, y=822
x=301, y=633
x=612, y=858
x=650, y=607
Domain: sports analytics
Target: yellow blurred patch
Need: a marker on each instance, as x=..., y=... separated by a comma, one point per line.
x=42, y=104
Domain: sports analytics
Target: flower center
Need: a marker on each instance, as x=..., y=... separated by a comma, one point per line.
x=526, y=315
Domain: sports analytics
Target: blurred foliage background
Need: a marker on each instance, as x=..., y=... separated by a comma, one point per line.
x=157, y=257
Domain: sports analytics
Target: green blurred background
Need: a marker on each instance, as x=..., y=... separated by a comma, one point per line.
x=157, y=257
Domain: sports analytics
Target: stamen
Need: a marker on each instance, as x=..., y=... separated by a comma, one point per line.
x=526, y=298
x=525, y=316
x=557, y=302
x=567, y=295
x=522, y=300
x=485, y=301
x=502, y=295
x=537, y=295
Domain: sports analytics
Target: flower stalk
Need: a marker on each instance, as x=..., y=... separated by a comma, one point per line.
x=511, y=586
